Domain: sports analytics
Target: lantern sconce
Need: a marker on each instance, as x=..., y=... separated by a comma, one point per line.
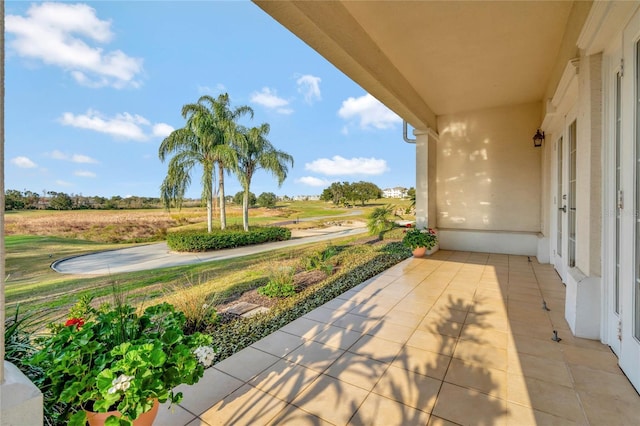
x=538, y=138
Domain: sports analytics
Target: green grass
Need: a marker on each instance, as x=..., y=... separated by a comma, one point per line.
x=33, y=285
x=38, y=288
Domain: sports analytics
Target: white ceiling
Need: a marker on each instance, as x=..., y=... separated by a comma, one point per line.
x=429, y=58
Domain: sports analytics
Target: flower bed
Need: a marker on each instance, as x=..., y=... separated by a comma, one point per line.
x=360, y=263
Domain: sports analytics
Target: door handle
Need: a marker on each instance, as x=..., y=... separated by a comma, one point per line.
x=563, y=208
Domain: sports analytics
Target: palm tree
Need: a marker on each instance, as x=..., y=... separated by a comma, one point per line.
x=206, y=141
x=379, y=220
x=223, y=154
x=256, y=152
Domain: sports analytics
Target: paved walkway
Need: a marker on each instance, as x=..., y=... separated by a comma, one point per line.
x=456, y=338
x=152, y=256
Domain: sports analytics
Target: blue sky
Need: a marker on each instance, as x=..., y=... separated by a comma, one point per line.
x=93, y=88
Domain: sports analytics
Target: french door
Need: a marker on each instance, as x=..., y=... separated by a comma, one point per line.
x=629, y=256
x=564, y=251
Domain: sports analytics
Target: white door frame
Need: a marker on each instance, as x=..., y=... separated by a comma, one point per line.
x=613, y=197
x=629, y=356
x=561, y=201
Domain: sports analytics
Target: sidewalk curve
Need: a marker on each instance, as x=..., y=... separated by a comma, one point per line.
x=153, y=256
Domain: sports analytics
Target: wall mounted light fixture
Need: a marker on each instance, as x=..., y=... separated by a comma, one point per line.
x=538, y=138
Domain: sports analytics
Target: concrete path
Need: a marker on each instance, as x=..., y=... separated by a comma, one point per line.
x=152, y=256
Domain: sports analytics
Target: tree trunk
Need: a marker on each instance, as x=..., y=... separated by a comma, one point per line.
x=223, y=210
x=245, y=210
x=209, y=214
x=208, y=193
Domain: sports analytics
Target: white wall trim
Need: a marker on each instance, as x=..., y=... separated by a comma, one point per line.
x=565, y=95
x=504, y=242
x=605, y=20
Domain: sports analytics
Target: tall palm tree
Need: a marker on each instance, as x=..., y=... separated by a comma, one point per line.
x=206, y=141
x=190, y=149
x=224, y=120
x=256, y=152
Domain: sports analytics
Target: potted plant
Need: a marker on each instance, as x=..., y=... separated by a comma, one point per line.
x=420, y=240
x=114, y=359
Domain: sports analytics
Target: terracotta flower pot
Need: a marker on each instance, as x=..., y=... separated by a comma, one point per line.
x=419, y=251
x=145, y=419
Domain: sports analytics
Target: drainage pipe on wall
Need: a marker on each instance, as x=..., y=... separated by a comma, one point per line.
x=405, y=135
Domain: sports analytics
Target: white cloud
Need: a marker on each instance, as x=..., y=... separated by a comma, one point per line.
x=369, y=112
x=76, y=158
x=84, y=173
x=269, y=99
x=121, y=126
x=313, y=181
x=162, y=130
x=309, y=87
x=57, y=34
x=79, y=158
x=63, y=182
x=338, y=165
x=23, y=162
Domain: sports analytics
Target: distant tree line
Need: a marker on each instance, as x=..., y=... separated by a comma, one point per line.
x=52, y=200
x=345, y=193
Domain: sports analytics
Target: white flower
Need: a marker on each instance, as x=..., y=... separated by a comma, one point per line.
x=205, y=355
x=120, y=383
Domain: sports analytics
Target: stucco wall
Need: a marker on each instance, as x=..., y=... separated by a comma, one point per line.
x=589, y=166
x=488, y=175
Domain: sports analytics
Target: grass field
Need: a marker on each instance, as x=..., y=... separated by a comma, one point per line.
x=37, y=238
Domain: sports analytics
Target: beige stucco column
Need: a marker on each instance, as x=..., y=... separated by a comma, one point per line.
x=426, y=141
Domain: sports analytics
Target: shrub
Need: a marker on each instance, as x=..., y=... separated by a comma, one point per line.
x=197, y=241
x=196, y=302
x=280, y=283
x=321, y=260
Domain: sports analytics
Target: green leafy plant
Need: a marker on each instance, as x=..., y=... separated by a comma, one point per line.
x=117, y=359
x=320, y=260
x=280, y=283
x=415, y=238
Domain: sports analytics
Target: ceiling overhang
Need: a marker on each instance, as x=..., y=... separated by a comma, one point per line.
x=429, y=58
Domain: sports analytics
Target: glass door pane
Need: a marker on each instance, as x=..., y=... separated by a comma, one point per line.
x=618, y=146
x=636, y=309
x=560, y=199
x=571, y=261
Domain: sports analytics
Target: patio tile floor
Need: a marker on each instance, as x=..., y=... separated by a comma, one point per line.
x=454, y=338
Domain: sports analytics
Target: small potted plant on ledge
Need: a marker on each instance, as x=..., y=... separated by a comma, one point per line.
x=420, y=240
x=113, y=366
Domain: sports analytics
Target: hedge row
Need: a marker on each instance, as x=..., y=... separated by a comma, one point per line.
x=359, y=263
x=195, y=241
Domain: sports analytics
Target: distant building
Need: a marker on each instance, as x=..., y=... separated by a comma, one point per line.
x=397, y=192
x=306, y=197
